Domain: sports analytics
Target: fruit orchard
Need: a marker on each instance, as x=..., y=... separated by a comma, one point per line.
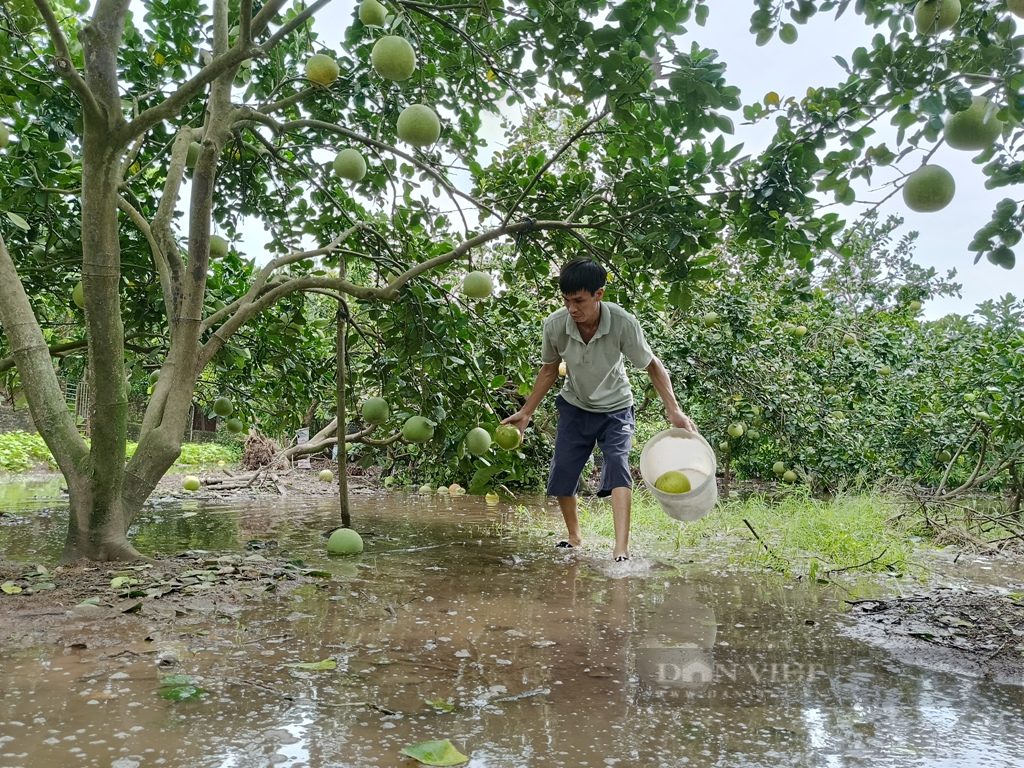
x=136, y=147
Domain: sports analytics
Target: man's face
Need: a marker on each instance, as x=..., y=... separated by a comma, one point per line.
x=584, y=307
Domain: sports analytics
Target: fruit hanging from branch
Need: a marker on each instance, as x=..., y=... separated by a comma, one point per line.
x=928, y=189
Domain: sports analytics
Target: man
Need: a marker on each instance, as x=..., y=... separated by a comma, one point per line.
x=595, y=405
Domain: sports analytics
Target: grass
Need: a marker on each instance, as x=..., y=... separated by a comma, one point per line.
x=20, y=451
x=796, y=535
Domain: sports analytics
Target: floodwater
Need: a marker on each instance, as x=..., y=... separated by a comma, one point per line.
x=455, y=625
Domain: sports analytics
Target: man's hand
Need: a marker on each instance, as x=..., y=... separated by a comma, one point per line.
x=679, y=419
x=520, y=420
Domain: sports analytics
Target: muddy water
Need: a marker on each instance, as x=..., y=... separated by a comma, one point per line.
x=448, y=626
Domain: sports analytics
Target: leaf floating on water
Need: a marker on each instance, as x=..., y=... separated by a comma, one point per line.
x=435, y=753
x=441, y=704
x=179, y=688
x=181, y=693
x=10, y=588
x=314, y=666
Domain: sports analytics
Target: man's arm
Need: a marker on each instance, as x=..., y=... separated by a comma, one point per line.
x=663, y=384
x=547, y=376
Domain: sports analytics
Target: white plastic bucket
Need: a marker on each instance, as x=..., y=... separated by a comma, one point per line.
x=689, y=453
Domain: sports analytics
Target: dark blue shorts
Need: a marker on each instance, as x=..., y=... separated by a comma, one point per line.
x=578, y=432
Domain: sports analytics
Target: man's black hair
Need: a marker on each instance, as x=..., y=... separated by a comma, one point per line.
x=582, y=274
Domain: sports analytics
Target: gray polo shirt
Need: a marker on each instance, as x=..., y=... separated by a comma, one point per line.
x=596, y=379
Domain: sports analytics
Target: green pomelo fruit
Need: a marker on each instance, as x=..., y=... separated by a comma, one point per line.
x=753, y=434
x=934, y=16
x=1002, y=257
x=234, y=426
x=322, y=69
x=376, y=410
x=478, y=285
x=673, y=481
x=326, y=476
x=417, y=429
x=710, y=319
x=218, y=247
x=424, y=489
x=736, y=430
x=829, y=390
x=915, y=306
x=194, y=148
x=78, y=295
x=789, y=476
x=849, y=339
x=223, y=407
x=418, y=125
x=508, y=437
x=372, y=13
x=723, y=446
x=345, y=541
x=929, y=189
x=5, y=136
x=154, y=377
x=778, y=467
x=393, y=58
x=349, y=164
x=885, y=370
x=800, y=331
x=478, y=441
x=943, y=456
x=191, y=483
x=974, y=129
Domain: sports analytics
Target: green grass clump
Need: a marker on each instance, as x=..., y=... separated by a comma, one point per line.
x=798, y=535
x=199, y=454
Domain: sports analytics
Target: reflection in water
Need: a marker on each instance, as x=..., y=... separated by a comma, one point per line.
x=445, y=628
x=677, y=651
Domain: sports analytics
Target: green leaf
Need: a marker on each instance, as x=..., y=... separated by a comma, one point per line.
x=181, y=693
x=498, y=381
x=435, y=753
x=314, y=666
x=10, y=588
x=19, y=222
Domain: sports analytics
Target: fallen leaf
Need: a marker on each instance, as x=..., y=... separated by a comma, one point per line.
x=314, y=666
x=435, y=753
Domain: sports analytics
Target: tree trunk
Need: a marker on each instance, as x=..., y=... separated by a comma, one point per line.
x=342, y=444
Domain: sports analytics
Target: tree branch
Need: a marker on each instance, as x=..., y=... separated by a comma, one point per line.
x=322, y=125
x=63, y=64
x=163, y=267
x=288, y=28
x=50, y=413
x=249, y=306
x=558, y=153
x=169, y=108
x=56, y=350
x=265, y=15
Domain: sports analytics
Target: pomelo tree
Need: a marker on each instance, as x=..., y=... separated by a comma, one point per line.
x=135, y=141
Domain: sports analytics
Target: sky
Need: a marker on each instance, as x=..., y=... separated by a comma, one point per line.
x=789, y=70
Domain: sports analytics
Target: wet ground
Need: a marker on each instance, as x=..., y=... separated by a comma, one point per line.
x=455, y=625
